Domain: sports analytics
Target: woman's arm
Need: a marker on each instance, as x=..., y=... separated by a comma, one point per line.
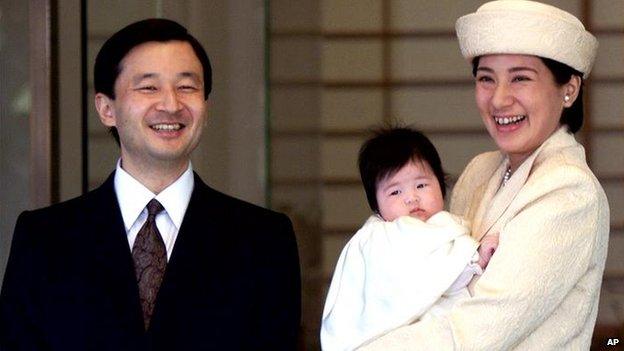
x=545, y=254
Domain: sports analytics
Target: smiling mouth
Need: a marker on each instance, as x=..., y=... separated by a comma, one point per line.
x=167, y=126
x=505, y=121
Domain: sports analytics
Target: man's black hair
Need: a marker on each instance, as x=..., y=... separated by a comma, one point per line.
x=108, y=60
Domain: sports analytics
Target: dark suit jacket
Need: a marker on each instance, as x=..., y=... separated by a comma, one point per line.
x=232, y=282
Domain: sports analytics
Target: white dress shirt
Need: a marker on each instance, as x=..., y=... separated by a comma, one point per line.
x=134, y=196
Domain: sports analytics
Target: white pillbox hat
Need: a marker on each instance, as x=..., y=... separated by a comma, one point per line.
x=527, y=28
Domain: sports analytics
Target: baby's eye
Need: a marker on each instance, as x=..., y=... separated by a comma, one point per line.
x=395, y=192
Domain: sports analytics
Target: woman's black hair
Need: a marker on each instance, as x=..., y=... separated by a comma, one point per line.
x=388, y=150
x=572, y=116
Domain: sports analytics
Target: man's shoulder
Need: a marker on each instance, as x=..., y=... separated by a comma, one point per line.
x=72, y=208
x=231, y=207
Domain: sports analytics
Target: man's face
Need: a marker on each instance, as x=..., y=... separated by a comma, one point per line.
x=159, y=108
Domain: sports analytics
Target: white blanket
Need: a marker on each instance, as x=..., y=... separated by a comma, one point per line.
x=390, y=273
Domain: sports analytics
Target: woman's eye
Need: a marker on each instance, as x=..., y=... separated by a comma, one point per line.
x=521, y=79
x=421, y=186
x=484, y=79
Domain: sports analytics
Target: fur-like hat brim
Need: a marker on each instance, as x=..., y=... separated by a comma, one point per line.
x=528, y=28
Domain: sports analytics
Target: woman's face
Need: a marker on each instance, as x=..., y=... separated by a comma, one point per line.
x=519, y=101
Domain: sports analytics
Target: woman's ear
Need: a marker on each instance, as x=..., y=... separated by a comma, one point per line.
x=571, y=91
x=105, y=108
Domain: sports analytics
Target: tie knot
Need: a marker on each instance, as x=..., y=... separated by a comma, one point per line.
x=154, y=207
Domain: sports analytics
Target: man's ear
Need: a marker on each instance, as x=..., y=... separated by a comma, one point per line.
x=106, y=111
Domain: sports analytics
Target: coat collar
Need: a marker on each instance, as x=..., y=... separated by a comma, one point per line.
x=497, y=198
x=198, y=254
x=112, y=257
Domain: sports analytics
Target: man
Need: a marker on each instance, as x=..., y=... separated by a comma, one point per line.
x=153, y=259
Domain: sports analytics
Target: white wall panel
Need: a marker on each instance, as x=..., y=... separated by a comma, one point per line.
x=607, y=105
x=351, y=15
x=352, y=60
x=344, y=206
x=339, y=157
x=457, y=151
x=436, y=107
x=332, y=246
x=294, y=157
x=615, y=256
x=295, y=108
x=294, y=58
x=610, y=56
x=608, y=153
x=103, y=155
x=426, y=15
x=107, y=17
x=351, y=108
x=298, y=200
x=608, y=13
x=294, y=15
x=610, y=306
x=428, y=58
x=615, y=194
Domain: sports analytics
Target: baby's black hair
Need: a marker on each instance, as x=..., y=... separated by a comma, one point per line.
x=388, y=150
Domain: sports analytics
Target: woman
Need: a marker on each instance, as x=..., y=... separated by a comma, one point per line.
x=541, y=288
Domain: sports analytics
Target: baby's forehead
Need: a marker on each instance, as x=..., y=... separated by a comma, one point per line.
x=414, y=164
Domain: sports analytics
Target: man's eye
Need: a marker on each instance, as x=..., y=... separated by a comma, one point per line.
x=147, y=88
x=188, y=88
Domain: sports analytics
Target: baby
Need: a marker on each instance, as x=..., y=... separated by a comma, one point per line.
x=410, y=257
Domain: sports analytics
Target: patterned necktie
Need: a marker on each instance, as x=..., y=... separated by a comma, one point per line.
x=150, y=260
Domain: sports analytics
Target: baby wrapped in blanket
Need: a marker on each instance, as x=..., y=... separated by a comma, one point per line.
x=411, y=258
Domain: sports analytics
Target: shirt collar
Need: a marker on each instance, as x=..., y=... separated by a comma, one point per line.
x=134, y=196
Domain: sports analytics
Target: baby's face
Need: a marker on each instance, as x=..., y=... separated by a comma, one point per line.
x=412, y=191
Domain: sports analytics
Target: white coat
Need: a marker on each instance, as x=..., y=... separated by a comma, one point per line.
x=390, y=273
x=540, y=290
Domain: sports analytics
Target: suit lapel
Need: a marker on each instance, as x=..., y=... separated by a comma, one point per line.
x=200, y=220
x=197, y=255
x=114, y=267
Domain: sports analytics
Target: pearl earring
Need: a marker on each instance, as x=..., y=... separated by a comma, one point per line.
x=566, y=98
